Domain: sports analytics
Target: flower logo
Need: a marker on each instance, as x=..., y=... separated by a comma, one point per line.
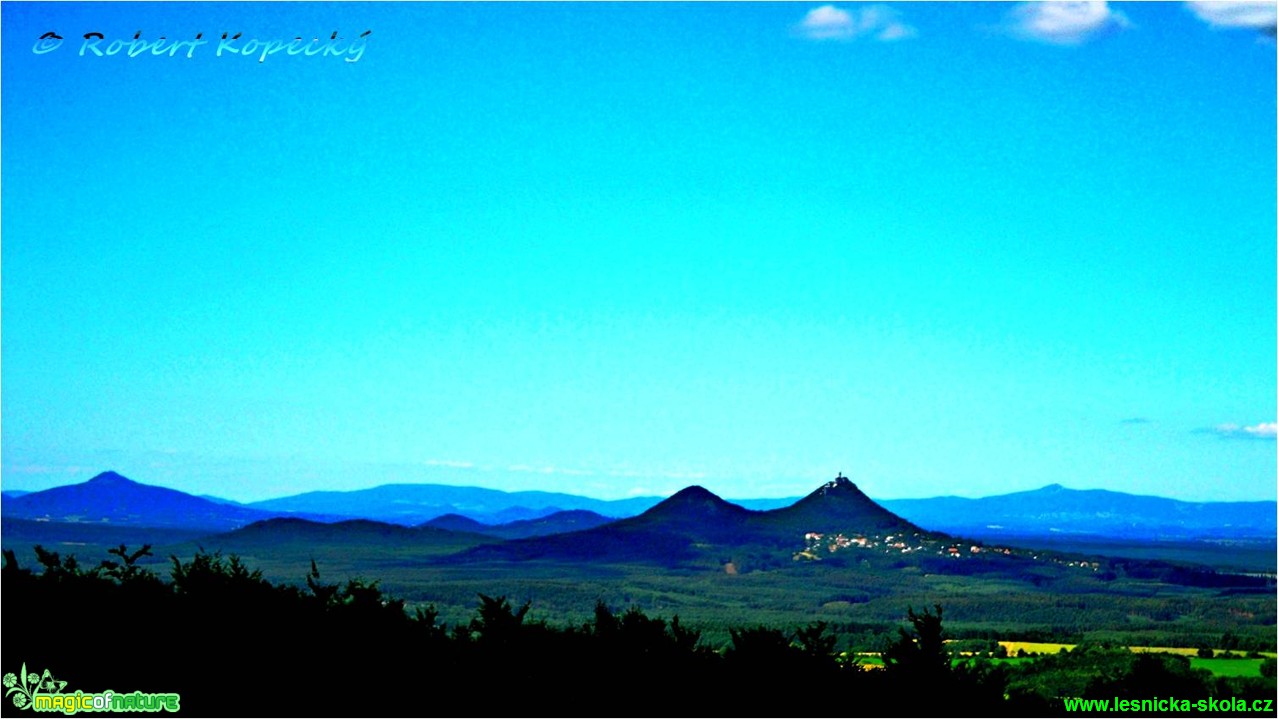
x=23, y=687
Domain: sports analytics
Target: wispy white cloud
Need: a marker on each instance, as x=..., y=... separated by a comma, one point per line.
x=1264, y=430
x=879, y=22
x=682, y=475
x=530, y=468
x=1070, y=22
x=448, y=463
x=549, y=470
x=40, y=469
x=1259, y=16
x=1235, y=14
x=631, y=474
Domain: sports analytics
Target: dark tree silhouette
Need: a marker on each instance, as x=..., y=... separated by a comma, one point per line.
x=498, y=622
x=295, y=649
x=919, y=654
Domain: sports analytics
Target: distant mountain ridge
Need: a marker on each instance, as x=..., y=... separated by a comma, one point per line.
x=112, y=499
x=1100, y=512
x=416, y=503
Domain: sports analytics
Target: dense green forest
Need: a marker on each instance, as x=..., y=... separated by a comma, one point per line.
x=1037, y=596
x=232, y=643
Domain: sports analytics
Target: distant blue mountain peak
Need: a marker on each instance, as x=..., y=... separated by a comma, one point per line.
x=111, y=477
x=839, y=482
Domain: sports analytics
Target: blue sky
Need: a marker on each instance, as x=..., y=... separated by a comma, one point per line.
x=617, y=249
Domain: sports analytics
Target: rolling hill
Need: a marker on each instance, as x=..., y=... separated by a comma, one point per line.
x=285, y=546
x=459, y=523
x=696, y=526
x=679, y=529
x=567, y=521
x=840, y=506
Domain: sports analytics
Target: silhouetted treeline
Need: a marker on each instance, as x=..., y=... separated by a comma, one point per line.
x=233, y=644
